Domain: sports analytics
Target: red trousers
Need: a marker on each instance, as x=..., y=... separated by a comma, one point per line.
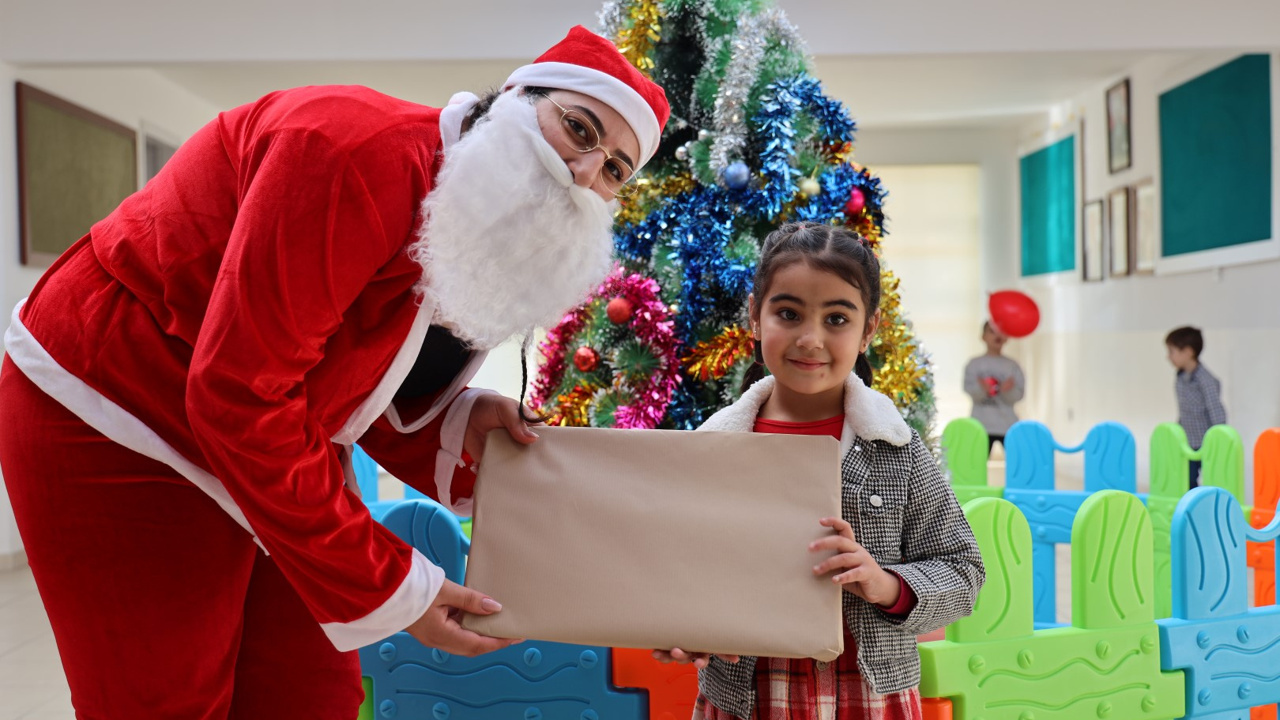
x=161, y=605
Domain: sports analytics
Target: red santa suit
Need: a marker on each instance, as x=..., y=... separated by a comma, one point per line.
x=256, y=305
x=236, y=326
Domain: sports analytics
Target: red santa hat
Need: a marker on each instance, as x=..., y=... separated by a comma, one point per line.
x=589, y=64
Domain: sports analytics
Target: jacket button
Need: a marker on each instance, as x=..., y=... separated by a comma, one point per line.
x=876, y=501
x=822, y=665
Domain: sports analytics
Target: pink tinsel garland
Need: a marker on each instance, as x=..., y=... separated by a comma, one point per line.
x=652, y=324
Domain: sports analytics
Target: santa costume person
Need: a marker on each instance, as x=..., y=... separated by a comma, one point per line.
x=325, y=266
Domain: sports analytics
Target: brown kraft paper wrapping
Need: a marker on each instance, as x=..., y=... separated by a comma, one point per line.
x=658, y=539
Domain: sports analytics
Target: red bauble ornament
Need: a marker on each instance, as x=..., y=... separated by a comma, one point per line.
x=1013, y=313
x=619, y=310
x=586, y=359
x=857, y=202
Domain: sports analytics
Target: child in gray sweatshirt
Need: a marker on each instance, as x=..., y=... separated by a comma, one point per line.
x=995, y=383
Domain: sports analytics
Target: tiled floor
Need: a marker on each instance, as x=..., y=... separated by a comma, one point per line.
x=33, y=686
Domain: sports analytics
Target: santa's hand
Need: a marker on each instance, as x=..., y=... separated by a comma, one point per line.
x=438, y=627
x=490, y=412
x=699, y=660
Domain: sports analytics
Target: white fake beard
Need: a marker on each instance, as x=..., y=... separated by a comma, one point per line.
x=508, y=241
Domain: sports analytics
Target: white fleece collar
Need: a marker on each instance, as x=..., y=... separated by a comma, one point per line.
x=868, y=414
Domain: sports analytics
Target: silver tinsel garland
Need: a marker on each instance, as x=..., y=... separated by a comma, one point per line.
x=754, y=33
x=611, y=18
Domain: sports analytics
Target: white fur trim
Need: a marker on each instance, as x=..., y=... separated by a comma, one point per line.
x=380, y=399
x=406, y=604
x=415, y=594
x=443, y=401
x=345, y=454
x=602, y=86
x=868, y=414
x=452, y=115
x=106, y=417
x=452, y=434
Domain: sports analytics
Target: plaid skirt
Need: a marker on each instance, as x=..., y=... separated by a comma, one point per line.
x=809, y=690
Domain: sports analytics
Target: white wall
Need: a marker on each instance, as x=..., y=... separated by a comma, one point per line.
x=994, y=151
x=129, y=97
x=1099, y=353
x=935, y=249
x=10, y=543
x=501, y=370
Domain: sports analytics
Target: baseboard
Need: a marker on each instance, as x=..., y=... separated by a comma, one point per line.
x=14, y=560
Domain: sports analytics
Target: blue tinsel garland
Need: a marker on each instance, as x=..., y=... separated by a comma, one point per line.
x=699, y=225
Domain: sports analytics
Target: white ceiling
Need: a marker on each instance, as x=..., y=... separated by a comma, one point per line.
x=151, y=31
x=881, y=91
x=918, y=62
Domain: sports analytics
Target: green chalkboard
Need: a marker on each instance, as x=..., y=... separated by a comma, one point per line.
x=1048, y=209
x=1215, y=158
x=74, y=168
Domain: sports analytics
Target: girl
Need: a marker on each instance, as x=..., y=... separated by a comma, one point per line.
x=906, y=557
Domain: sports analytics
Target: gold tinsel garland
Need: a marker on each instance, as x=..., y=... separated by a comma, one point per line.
x=638, y=39
x=635, y=206
x=572, y=407
x=712, y=359
x=899, y=374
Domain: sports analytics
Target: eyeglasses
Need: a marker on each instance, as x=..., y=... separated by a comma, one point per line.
x=582, y=135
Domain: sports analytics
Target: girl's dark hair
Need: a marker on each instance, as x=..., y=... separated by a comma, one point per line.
x=836, y=250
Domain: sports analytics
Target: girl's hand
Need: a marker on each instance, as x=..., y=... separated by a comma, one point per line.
x=699, y=660
x=860, y=575
x=490, y=412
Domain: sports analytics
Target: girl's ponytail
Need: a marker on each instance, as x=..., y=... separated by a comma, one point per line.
x=862, y=368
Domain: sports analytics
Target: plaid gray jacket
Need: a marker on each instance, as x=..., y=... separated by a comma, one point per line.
x=915, y=529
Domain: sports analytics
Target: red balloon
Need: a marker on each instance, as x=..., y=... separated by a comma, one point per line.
x=1013, y=313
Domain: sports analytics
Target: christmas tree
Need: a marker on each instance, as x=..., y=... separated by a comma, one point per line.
x=752, y=142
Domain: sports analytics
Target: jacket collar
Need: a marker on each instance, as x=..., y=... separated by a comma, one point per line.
x=868, y=414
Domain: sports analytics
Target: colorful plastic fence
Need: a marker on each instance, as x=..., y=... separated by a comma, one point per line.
x=1110, y=463
x=965, y=449
x=530, y=681
x=1222, y=465
x=1266, y=489
x=1215, y=658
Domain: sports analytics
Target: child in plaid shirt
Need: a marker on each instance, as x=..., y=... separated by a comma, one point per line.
x=1199, y=392
x=902, y=550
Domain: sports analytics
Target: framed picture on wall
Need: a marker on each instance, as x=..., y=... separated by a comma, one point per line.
x=1094, y=231
x=74, y=167
x=1119, y=149
x=155, y=147
x=1145, y=241
x=1118, y=230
